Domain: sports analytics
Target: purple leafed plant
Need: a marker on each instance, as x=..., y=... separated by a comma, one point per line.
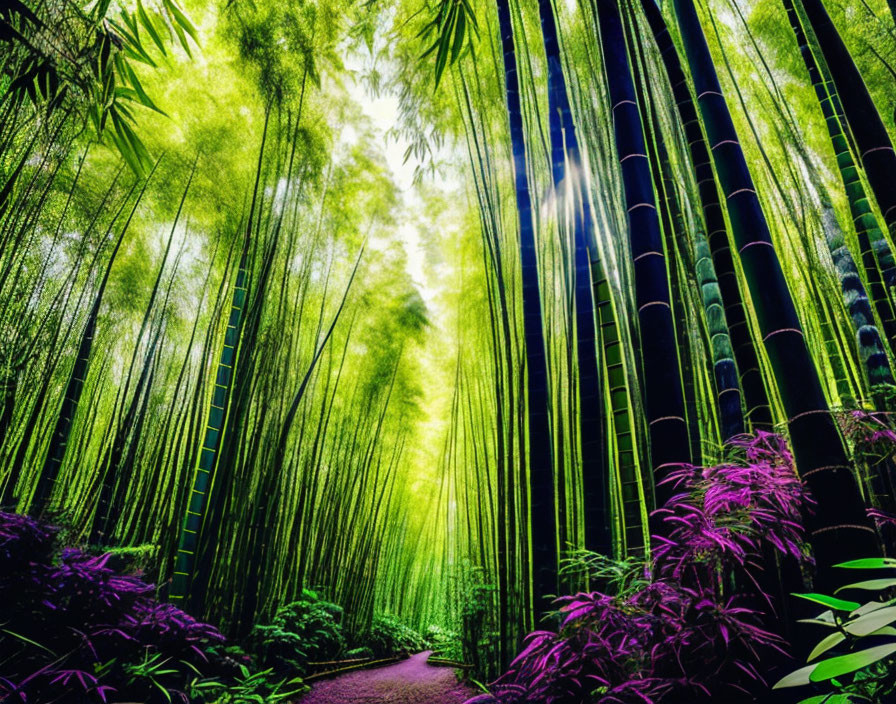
x=722, y=515
x=72, y=628
x=681, y=637
x=874, y=442
x=882, y=518
x=870, y=433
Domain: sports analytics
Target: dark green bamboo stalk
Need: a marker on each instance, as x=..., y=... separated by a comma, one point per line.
x=669, y=443
x=755, y=397
x=188, y=542
x=570, y=193
x=876, y=255
x=46, y=483
x=540, y=459
x=839, y=526
x=874, y=144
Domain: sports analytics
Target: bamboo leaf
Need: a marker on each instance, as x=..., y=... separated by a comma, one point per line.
x=871, y=622
x=869, y=563
x=797, y=678
x=459, y=33
x=826, y=644
x=183, y=22
x=830, y=601
x=142, y=97
x=871, y=585
x=843, y=665
x=150, y=27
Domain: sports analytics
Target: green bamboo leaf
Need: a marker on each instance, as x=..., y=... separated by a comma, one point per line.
x=826, y=644
x=797, y=678
x=885, y=631
x=435, y=45
x=131, y=21
x=101, y=9
x=126, y=93
x=125, y=151
x=832, y=602
x=831, y=698
x=125, y=113
x=471, y=15
x=844, y=664
x=181, y=20
x=444, y=42
x=129, y=145
x=142, y=97
x=871, y=584
x=147, y=22
x=459, y=33
x=869, y=563
x=124, y=34
x=871, y=622
x=182, y=39
x=871, y=606
x=28, y=640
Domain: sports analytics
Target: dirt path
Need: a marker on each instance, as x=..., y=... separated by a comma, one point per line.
x=410, y=681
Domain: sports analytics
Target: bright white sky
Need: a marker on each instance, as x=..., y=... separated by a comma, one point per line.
x=383, y=111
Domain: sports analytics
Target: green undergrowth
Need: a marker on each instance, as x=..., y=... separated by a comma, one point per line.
x=309, y=631
x=84, y=622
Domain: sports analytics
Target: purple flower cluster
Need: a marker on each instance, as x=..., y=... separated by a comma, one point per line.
x=72, y=626
x=681, y=636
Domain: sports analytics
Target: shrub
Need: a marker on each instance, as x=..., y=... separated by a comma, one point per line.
x=259, y=687
x=859, y=644
x=444, y=643
x=359, y=653
x=388, y=636
x=306, y=630
x=76, y=630
x=474, y=611
x=675, y=632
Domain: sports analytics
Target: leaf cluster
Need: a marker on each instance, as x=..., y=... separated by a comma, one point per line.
x=389, y=635
x=306, y=630
x=65, y=54
x=453, y=29
x=860, y=645
x=71, y=623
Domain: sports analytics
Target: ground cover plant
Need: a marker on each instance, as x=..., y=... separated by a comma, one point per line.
x=72, y=629
x=854, y=661
x=307, y=630
x=389, y=635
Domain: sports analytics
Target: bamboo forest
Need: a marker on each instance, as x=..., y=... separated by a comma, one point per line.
x=447, y=351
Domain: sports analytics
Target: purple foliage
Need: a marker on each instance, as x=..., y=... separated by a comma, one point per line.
x=680, y=637
x=881, y=518
x=870, y=433
x=72, y=624
x=724, y=513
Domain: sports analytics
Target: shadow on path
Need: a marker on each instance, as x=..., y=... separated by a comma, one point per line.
x=410, y=681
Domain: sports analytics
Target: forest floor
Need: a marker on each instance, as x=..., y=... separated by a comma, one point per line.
x=410, y=681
